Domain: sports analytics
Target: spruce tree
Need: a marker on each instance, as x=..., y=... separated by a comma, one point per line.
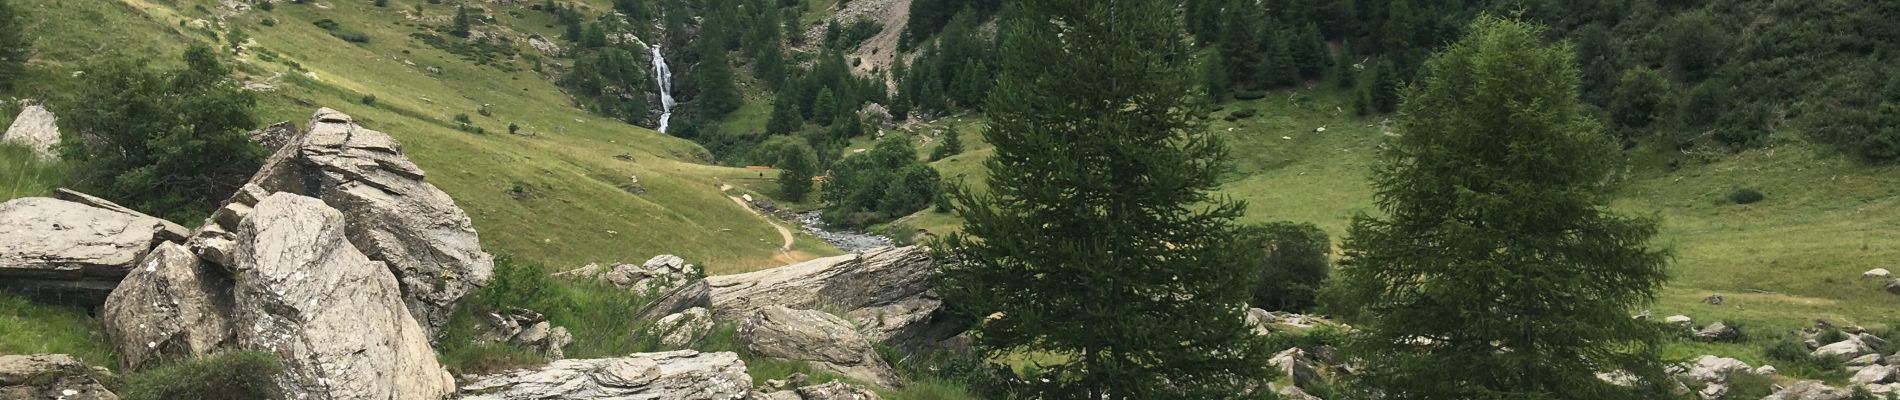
x=717, y=94
x=1382, y=93
x=462, y=22
x=785, y=118
x=972, y=84
x=1496, y=269
x=1281, y=69
x=825, y=107
x=1344, y=74
x=1099, y=239
x=1240, y=45
x=952, y=145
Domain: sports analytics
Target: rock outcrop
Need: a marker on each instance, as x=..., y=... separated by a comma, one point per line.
x=682, y=374
x=887, y=291
x=660, y=273
x=172, y=306
x=67, y=252
x=37, y=129
x=695, y=294
x=49, y=376
x=1296, y=364
x=825, y=341
x=392, y=214
x=334, y=317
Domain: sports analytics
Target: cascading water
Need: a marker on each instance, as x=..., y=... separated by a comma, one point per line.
x=664, y=77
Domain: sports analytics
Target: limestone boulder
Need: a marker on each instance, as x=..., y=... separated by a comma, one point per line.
x=68, y=252
x=37, y=129
x=172, y=306
x=49, y=376
x=835, y=390
x=686, y=375
x=659, y=274
x=1810, y=390
x=823, y=340
x=684, y=329
x=333, y=316
x=1295, y=363
x=887, y=291
x=527, y=329
x=393, y=214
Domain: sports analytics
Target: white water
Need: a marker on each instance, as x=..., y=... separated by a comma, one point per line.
x=664, y=76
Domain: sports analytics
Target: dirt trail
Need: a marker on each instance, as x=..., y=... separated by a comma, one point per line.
x=785, y=253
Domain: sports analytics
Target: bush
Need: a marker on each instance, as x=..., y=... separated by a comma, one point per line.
x=1250, y=95
x=1294, y=262
x=242, y=375
x=369, y=100
x=1745, y=196
x=1243, y=113
x=1792, y=358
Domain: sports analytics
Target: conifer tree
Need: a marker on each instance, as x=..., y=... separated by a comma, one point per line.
x=972, y=84
x=1100, y=239
x=1496, y=269
x=1240, y=45
x=825, y=107
x=952, y=145
x=1382, y=92
x=1281, y=68
x=1346, y=76
x=462, y=22
x=797, y=164
x=717, y=95
x=785, y=118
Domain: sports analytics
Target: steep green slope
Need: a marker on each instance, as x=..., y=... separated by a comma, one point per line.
x=552, y=196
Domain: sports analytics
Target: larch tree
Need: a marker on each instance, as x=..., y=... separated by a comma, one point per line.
x=1496, y=269
x=1100, y=239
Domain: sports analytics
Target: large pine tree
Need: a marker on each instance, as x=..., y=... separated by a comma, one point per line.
x=1497, y=270
x=1099, y=239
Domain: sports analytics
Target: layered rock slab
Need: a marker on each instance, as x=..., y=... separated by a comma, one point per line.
x=685, y=375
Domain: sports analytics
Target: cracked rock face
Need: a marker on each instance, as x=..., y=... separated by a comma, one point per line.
x=49, y=376
x=68, y=252
x=393, y=215
x=886, y=292
x=824, y=340
x=172, y=306
x=333, y=316
x=685, y=374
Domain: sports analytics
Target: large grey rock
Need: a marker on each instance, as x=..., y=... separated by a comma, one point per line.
x=685, y=375
x=172, y=306
x=835, y=390
x=1874, y=374
x=334, y=317
x=167, y=230
x=695, y=294
x=68, y=252
x=823, y=340
x=36, y=129
x=1810, y=390
x=1718, y=332
x=1712, y=369
x=49, y=376
x=661, y=273
x=1845, y=349
x=1295, y=363
x=393, y=215
x=886, y=291
x=274, y=136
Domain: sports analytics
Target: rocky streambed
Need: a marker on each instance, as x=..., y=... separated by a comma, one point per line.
x=848, y=240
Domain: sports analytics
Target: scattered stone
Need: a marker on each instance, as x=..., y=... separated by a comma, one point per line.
x=37, y=129
x=684, y=329
x=1714, y=299
x=1893, y=286
x=826, y=341
x=393, y=215
x=66, y=252
x=660, y=273
x=1713, y=391
x=1296, y=364
x=334, y=317
x=544, y=45
x=1678, y=319
x=684, y=374
x=1714, y=369
x=1845, y=349
x=49, y=376
x=1863, y=360
x=171, y=307
x=835, y=390
x=1810, y=390
x=1718, y=332
x=1766, y=370
x=1877, y=273
x=525, y=328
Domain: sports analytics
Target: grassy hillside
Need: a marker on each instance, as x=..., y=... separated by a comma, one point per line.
x=552, y=196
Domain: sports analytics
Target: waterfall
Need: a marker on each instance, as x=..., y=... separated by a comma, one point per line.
x=664, y=77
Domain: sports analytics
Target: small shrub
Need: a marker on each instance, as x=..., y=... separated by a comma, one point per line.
x=1250, y=95
x=239, y=375
x=1243, y=113
x=1745, y=196
x=369, y=100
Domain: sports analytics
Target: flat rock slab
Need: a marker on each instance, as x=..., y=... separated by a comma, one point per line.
x=684, y=375
x=67, y=252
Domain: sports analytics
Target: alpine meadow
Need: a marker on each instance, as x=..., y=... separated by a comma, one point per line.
x=949, y=199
